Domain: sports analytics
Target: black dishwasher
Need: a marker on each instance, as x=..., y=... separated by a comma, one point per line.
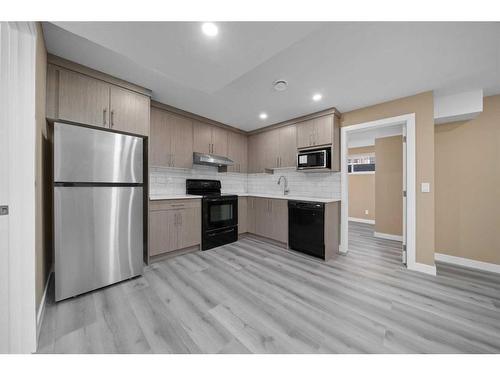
x=306, y=227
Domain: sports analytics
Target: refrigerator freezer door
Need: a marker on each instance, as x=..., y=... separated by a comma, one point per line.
x=98, y=237
x=90, y=155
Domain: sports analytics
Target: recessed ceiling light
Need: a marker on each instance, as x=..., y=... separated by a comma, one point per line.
x=210, y=29
x=263, y=116
x=280, y=85
x=317, y=97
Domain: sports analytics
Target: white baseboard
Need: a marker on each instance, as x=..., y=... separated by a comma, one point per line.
x=466, y=262
x=365, y=221
x=421, y=267
x=387, y=236
x=41, y=308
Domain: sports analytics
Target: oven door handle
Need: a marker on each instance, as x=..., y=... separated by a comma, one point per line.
x=223, y=232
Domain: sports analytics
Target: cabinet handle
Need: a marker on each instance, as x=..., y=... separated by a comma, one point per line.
x=173, y=160
x=104, y=116
x=112, y=118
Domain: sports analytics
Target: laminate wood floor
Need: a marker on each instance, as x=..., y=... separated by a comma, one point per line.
x=253, y=297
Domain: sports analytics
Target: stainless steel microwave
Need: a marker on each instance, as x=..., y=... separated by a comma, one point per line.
x=314, y=159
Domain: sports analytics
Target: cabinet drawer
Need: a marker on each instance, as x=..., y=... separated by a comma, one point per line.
x=171, y=204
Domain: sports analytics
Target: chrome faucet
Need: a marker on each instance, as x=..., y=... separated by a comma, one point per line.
x=285, y=187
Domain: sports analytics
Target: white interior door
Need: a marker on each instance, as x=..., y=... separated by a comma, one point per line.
x=405, y=198
x=17, y=187
x=4, y=198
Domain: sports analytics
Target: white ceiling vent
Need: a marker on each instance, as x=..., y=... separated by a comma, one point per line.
x=280, y=85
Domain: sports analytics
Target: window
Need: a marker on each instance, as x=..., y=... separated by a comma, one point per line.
x=361, y=163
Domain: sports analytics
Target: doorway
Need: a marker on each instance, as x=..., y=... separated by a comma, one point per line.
x=404, y=128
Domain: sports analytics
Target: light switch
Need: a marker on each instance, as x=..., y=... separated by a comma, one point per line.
x=426, y=187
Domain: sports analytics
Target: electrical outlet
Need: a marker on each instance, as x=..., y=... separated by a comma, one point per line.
x=366, y=212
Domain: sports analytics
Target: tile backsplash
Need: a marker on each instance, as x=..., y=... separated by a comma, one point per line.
x=172, y=181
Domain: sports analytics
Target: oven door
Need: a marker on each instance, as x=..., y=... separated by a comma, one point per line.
x=312, y=159
x=219, y=213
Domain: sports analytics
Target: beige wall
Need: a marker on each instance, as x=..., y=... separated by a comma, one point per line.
x=42, y=253
x=362, y=189
x=362, y=196
x=389, y=185
x=423, y=107
x=468, y=186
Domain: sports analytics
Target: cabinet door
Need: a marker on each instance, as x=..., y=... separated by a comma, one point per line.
x=182, y=141
x=279, y=217
x=83, y=99
x=202, y=138
x=237, y=151
x=254, y=157
x=242, y=214
x=219, y=141
x=160, y=140
x=263, y=220
x=305, y=131
x=251, y=215
x=269, y=148
x=163, y=231
x=129, y=111
x=189, y=229
x=323, y=130
x=287, y=146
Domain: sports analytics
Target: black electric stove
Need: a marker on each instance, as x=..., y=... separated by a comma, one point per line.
x=219, y=220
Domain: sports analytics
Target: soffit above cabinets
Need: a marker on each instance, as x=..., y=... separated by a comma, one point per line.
x=229, y=78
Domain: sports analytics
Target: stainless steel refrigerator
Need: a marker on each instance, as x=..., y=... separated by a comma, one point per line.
x=98, y=208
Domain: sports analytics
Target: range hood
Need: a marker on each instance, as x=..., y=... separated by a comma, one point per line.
x=211, y=159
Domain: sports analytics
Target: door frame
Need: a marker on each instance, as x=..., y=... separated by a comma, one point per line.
x=17, y=171
x=408, y=123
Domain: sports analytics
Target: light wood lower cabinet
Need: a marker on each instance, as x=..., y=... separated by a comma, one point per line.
x=242, y=214
x=174, y=225
x=251, y=214
x=271, y=218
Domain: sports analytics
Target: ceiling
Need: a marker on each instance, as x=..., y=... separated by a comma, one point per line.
x=363, y=138
x=229, y=78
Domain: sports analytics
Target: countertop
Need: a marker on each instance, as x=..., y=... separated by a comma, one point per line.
x=273, y=196
x=160, y=197
x=289, y=197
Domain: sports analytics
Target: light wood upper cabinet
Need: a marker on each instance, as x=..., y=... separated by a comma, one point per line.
x=305, y=132
x=182, y=141
x=272, y=149
x=315, y=132
x=82, y=99
x=209, y=139
x=171, y=140
x=287, y=146
x=160, y=140
x=202, y=137
x=129, y=111
x=323, y=127
x=219, y=141
x=237, y=151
